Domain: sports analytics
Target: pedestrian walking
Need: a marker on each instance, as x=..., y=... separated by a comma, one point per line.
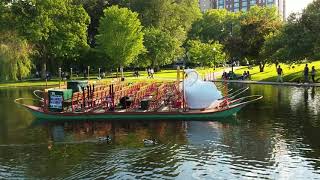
x=313, y=74
x=148, y=71
x=151, y=72
x=306, y=74
x=280, y=74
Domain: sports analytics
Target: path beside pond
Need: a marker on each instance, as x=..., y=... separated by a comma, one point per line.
x=271, y=83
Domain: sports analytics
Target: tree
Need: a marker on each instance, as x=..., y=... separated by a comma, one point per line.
x=167, y=14
x=161, y=47
x=206, y=54
x=120, y=36
x=310, y=19
x=94, y=8
x=222, y=26
x=56, y=29
x=15, y=62
x=215, y=25
x=256, y=24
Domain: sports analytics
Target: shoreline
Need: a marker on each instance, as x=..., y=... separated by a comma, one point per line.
x=271, y=83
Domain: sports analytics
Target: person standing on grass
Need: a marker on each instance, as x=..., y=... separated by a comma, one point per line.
x=280, y=73
x=148, y=71
x=151, y=72
x=313, y=74
x=306, y=74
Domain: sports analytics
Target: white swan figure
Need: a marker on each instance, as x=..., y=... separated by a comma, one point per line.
x=199, y=94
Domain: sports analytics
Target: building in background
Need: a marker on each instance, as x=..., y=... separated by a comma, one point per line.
x=242, y=5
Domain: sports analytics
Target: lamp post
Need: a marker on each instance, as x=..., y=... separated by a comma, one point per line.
x=214, y=59
x=99, y=73
x=70, y=73
x=60, y=77
x=88, y=73
x=232, y=58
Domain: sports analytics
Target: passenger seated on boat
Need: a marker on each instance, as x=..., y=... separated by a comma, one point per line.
x=125, y=102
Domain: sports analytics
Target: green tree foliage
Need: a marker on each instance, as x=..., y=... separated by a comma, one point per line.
x=120, y=36
x=216, y=25
x=94, y=8
x=167, y=14
x=256, y=24
x=290, y=44
x=205, y=54
x=15, y=60
x=222, y=26
x=310, y=20
x=56, y=29
x=173, y=17
x=298, y=39
x=161, y=47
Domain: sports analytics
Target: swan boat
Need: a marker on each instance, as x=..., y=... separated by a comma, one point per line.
x=189, y=99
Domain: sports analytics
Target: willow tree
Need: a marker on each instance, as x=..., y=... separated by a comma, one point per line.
x=120, y=36
x=15, y=62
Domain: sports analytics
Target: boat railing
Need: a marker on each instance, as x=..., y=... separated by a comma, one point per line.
x=236, y=93
x=245, y=100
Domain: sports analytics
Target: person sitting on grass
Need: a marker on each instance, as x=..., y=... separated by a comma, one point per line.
x=280, y=74
x=244, y=75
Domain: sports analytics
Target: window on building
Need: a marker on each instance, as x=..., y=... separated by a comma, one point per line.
x=244, y=5
x=253, y=2
x=270, y=2
x=221, y=4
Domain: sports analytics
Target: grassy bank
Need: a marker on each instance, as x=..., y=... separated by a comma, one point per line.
x=291, y=73
x=270, y=74
x=162, y=75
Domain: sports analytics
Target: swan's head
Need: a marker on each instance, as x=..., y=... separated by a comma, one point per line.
x=191, y=76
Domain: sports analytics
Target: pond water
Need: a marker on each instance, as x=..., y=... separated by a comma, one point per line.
x=276, y=138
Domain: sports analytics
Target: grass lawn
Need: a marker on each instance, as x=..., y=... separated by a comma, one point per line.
x=162, y=75
x=289, y=74
x=270, y=74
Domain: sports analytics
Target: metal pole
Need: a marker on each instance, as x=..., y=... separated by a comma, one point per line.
x=70, y=73
x=232, y=65
x=88, y=73
x=99, y=72
x=183, y=91
x=59, y=77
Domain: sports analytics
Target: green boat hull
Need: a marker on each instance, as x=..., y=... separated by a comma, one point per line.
x=139, y=116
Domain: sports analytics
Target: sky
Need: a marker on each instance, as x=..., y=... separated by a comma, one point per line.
x=296, y=5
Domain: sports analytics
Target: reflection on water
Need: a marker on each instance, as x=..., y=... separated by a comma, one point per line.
x=276, y=138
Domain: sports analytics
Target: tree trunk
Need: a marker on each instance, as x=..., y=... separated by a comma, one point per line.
x=44, y=70
x=277, y=63
x=117, y=73
x=121, y=71
x=261, y=67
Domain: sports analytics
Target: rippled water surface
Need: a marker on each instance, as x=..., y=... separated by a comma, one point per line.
x=276, y=138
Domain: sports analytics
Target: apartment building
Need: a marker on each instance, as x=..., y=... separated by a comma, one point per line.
x=242, y=5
